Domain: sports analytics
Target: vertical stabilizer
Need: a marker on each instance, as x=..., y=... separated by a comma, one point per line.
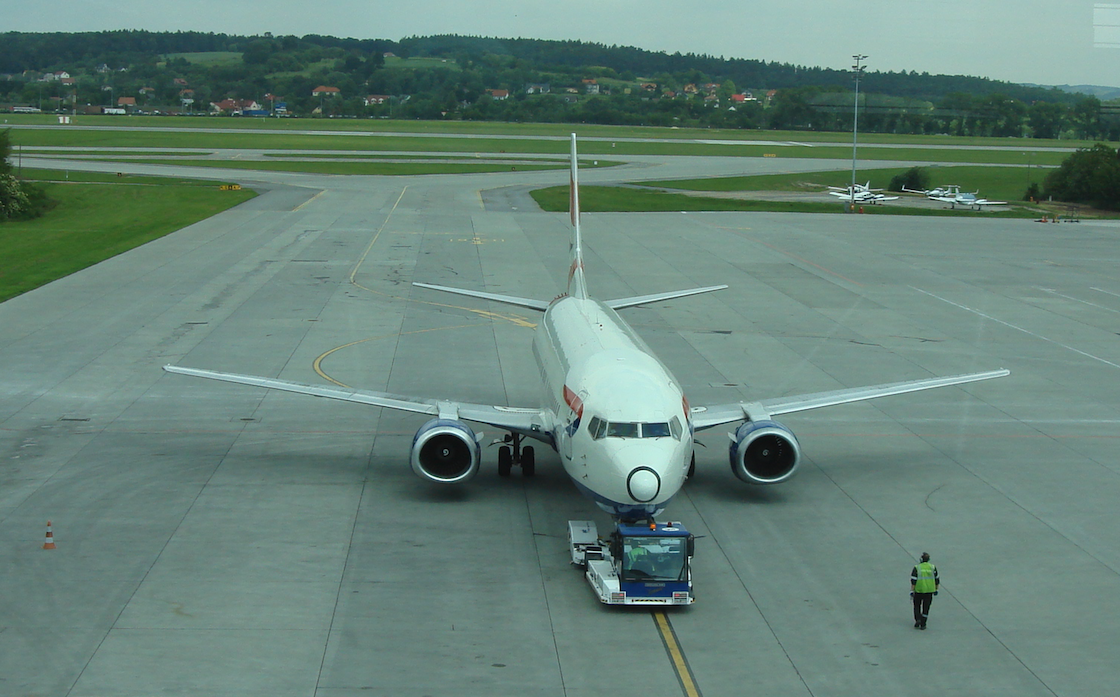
x=577, y=287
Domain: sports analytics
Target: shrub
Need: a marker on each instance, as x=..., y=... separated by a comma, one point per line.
x=913, y=178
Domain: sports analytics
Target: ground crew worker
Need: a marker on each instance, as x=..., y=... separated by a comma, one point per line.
x=924, y=583
x=638, y=558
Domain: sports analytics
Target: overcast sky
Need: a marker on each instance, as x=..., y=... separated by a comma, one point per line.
x=1035, y=41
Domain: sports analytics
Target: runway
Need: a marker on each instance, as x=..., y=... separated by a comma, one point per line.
x=220, y=540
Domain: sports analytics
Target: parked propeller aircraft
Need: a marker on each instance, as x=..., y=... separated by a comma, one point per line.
x=952, y=195
x=618, y=418
x=861, y=193
x=938, y=191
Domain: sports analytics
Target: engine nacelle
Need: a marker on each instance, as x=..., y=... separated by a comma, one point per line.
x=764, y=452
x=445, y=451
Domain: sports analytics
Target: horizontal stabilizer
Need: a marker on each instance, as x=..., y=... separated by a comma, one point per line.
x=658, y=297
x=507, y=299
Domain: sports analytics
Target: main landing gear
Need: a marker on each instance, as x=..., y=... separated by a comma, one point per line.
x=514, y=454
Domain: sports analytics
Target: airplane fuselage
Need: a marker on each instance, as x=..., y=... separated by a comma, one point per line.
x=621, y=420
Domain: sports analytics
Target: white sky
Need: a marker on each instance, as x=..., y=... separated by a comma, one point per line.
x=1035, y=41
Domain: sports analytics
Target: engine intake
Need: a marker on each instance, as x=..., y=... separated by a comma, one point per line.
x=445, y=451
x=764, y=452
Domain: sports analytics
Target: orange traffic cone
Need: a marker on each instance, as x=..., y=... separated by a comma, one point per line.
x=49, y=543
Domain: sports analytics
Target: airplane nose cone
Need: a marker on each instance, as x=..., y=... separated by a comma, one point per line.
x=643, y=484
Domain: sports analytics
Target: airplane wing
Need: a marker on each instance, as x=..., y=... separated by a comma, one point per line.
x=530, y=303
x=528, y=421
x=704, y=417
x=658, y=297
x=986, y=202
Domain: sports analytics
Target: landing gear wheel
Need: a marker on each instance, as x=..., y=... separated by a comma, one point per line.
x=692, y=466
x=528, y=461
x=505, y=461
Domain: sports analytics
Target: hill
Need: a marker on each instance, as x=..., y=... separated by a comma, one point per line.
x=464, y=77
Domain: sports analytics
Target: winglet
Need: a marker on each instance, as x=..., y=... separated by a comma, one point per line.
x=577, y=287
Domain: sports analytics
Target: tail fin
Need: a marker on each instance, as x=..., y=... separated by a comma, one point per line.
x=577, y=287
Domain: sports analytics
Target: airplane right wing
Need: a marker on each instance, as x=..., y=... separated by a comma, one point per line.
x=528, y=421
x=704, y=417
x=658, y=297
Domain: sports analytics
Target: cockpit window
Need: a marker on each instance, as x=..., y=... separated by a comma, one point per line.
x=598, y=428
x=622, y=429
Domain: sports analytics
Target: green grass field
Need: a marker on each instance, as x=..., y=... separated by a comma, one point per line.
x=356, y=168
x=98, y=218
x=995, y=183
x=208, y=57
x=608, y=199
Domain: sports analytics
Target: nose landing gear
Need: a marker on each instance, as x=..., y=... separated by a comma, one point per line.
x=514, y=454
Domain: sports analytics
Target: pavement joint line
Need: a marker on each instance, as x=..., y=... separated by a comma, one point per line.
x=1017, y=328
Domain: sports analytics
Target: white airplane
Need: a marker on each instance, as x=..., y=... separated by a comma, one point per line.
x=618, y=418
x=860, y=193
x=951, y=190
x=953, y=195
x=970, y=200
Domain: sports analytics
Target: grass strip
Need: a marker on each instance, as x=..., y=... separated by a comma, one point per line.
x=95, y=221
x=360, y=168
x=610, y=199
x=995, y=183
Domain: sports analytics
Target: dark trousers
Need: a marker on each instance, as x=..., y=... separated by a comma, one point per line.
x=921, y=607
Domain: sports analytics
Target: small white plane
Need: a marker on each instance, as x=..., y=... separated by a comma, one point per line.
x=860, y=193
x=935, y=192
x=953, y=195
x=618, y=418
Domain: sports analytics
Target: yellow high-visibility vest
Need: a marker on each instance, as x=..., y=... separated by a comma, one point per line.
x=927, y=572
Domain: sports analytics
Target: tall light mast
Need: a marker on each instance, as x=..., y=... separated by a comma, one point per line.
x=857, y=70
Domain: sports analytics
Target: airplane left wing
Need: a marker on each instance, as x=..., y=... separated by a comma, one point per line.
x=529, y=303
x=708, y=416
x=528, y=421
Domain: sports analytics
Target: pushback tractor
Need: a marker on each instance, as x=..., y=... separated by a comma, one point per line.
x=637, y=564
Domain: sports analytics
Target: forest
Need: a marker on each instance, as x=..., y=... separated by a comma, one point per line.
x=521, y=80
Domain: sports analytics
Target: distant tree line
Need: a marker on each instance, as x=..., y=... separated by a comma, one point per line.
x=637, y=87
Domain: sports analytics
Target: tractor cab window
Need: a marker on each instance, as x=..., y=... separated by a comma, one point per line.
x=654, y=558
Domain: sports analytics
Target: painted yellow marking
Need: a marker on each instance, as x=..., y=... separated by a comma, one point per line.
x=511, y=318
x=309, y=200
x=317, y=364
x=676, y=654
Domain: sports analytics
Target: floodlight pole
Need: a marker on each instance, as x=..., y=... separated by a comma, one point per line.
x=857, y=69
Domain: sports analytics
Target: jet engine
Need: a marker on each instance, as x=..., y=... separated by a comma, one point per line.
x=445, y=451
x=764, y=452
